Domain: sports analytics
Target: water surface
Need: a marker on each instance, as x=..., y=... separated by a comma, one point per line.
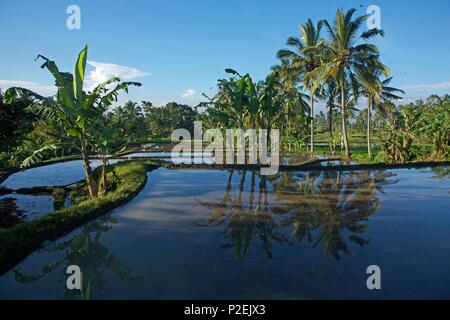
x=57, y=174
x=214, y=234
x=16, y=208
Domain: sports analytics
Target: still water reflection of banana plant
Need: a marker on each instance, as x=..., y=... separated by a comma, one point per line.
x=86, y=251
x=328, y=209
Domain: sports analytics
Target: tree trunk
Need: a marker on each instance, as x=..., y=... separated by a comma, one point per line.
x=241, y=185
x=344, y=123
x=104, y=177
x=369, y=103
x=312, y=123
x=230, y=176
x=330, y=126
x=252, y=189
x=92, y=186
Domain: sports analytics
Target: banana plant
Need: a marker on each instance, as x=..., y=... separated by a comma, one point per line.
x=74, y=109
x=435, y=125
x=271, y=100
x=102, y=135
x=305, y=57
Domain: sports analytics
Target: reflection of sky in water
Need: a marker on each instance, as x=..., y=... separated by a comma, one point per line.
x=189, y=160
x=194, y=158
x=58, y=174
x=164, y=154
x=191, y=234
x=284, y=159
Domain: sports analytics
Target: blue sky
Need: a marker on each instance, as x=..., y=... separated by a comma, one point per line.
x=178, y=49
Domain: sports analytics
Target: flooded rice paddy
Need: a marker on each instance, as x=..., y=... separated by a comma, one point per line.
x=216, y=234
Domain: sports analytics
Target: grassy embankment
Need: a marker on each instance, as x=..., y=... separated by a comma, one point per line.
x=126, y=178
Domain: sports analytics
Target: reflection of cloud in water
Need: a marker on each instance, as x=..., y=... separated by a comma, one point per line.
x=57, y=174
x=155, y=215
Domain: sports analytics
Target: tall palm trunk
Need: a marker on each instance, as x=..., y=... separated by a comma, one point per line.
x=330, y=125
x=369, y=104
x=92, y=186
x=241, y=185
x=312, y=123
x=230, y=177
x=344, y=123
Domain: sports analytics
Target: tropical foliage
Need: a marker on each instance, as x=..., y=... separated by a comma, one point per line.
x=74, y=111
x=327, y=210
x=331, y=63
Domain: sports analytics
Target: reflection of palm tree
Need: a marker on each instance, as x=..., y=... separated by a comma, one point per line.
x=325, y=208
x=85, y=251
x=328, y=207
x=441, y=172
x=244, y=218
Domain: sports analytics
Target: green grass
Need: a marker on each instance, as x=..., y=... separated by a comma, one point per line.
x=17, y=242
x=358, y=148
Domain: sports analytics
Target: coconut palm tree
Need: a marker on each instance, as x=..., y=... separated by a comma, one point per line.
x=130, y=119
x=304, y=58
x=371, y=88
x=329, y=94
x=345, y=60
x=377, y=91
x=73, y=109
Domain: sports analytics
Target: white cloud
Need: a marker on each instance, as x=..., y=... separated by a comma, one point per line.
x=430, y=87
x=104, y=71
x=100, y=73
x=44, y=90
x=189, y=93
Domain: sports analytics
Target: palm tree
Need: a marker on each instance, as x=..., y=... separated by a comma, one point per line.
x=371, y=88
x=435, y=101
x=132, y=110
x=130, y=119
x=345, y=61
x=231, y=99
x=305, y=58
x=329, y=94
x=74, y=110
x=377, y=91
x=295, y=105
